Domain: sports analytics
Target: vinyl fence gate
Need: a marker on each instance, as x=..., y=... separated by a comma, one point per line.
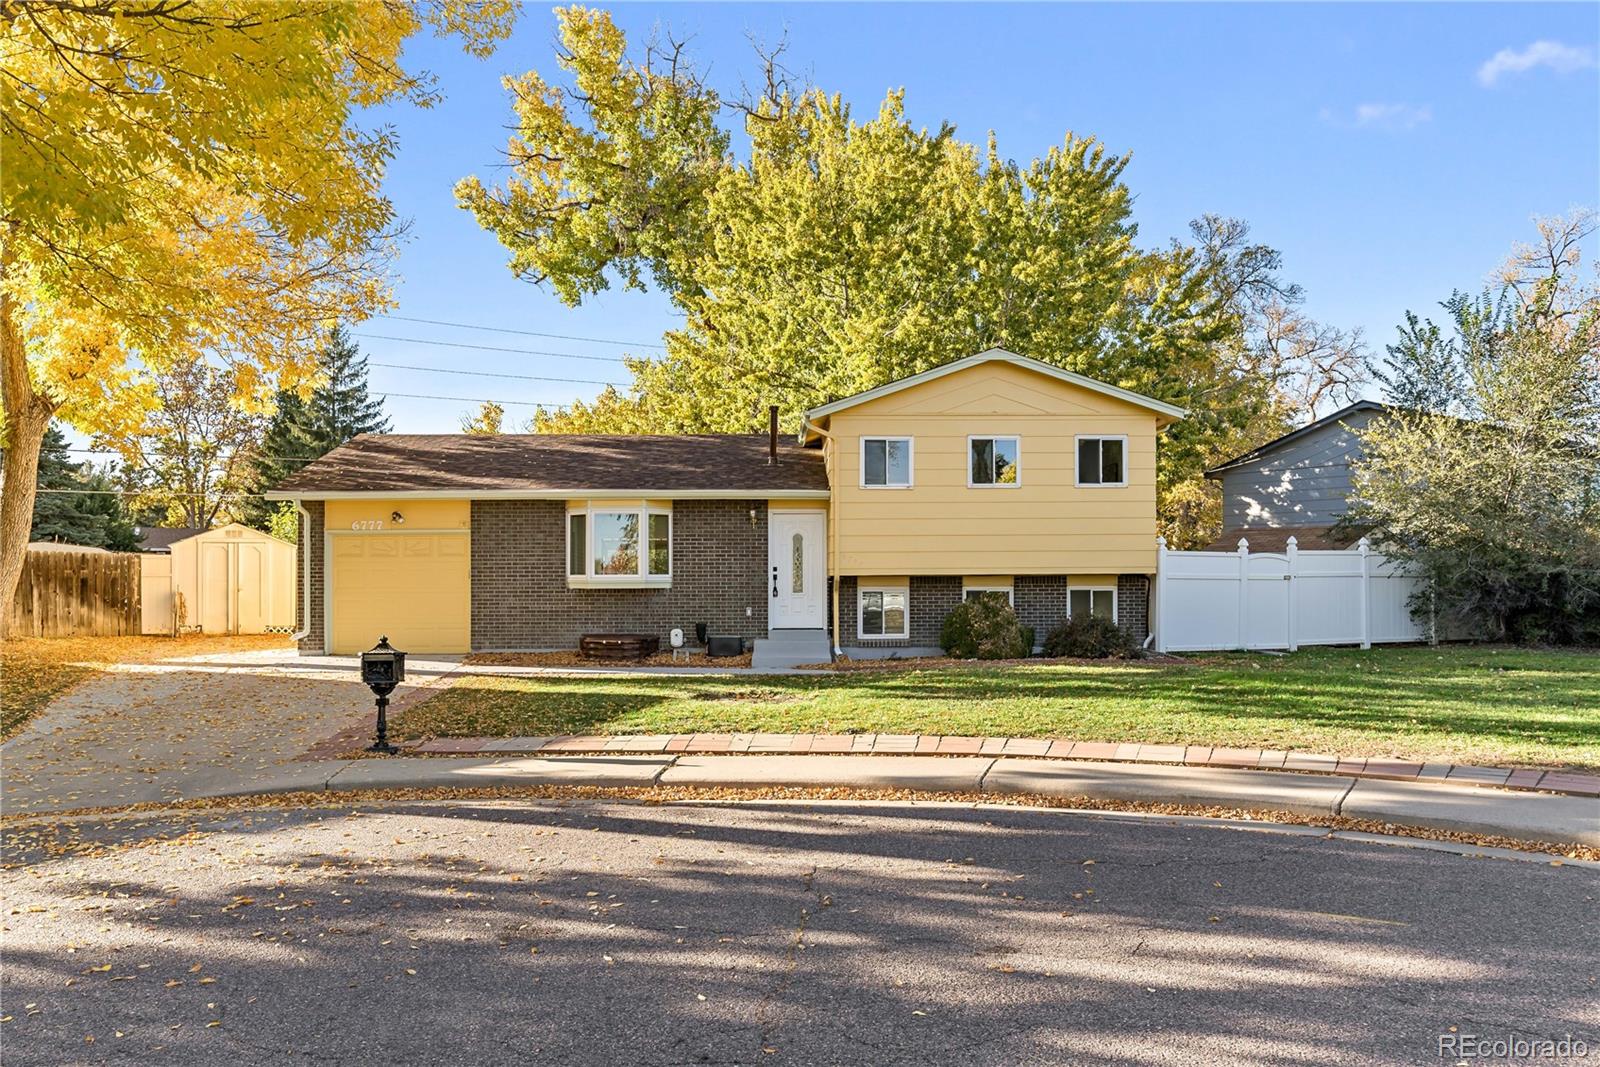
x=1212, y=601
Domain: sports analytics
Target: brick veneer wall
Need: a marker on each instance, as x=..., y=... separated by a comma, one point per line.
x=1133, y=604
x=520, y=598
x=309, y=546
x=1040, y=601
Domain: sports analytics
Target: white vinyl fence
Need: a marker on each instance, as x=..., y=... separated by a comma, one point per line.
x=1208, y=601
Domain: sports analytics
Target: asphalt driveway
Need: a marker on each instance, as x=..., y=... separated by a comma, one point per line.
x=501, y=932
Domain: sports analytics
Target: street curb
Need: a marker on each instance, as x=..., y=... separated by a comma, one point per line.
x=1520, y=779
x=1441, y=806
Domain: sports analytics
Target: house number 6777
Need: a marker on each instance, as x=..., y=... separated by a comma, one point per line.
x=367, y=524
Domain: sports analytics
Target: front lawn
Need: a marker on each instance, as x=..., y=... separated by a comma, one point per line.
x=36, y=670
x=1463, y=704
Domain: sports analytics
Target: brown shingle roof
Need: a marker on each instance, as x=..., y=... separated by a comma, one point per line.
x=510, y=463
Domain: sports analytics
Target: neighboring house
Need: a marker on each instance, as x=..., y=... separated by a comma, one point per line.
x=161, y=538
x=994, y=472
x=1297, y=485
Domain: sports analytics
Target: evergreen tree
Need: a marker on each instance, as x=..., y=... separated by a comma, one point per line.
x=304, y=428
x=76, y=504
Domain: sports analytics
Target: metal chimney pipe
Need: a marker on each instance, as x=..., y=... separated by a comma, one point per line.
x=772, y=436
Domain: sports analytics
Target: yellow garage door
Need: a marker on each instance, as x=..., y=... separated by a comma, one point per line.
x=414, y=587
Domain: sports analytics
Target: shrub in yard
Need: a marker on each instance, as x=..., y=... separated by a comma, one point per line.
x=985, y=627
x=1090, y=637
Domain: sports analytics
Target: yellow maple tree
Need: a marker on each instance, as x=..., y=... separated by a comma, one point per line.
x=190, y=178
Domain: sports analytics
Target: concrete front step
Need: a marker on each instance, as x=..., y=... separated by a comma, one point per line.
x=783, y=649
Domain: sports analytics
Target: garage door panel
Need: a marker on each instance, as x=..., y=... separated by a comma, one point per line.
x=414, y=587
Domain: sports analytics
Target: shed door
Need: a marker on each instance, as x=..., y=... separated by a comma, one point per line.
x=413, y=587
x=250, y=588
x=216, y=589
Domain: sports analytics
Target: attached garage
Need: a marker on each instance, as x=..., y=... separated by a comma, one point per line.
x=384, y=578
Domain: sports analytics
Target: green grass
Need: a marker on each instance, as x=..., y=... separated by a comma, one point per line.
x=1464, y=704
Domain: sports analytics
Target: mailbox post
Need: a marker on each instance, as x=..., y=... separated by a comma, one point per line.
x=383, y=668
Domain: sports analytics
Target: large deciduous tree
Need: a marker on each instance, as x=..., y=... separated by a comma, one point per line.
x=836, y=254
x=1488, y=480
x=186, y=178
x=190, y=457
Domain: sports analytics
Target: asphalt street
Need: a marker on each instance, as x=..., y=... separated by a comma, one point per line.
x=598, y=933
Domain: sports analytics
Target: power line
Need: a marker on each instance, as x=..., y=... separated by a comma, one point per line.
x=477, y=400
x=486, y=374
x=525, y=333
x=484, y=348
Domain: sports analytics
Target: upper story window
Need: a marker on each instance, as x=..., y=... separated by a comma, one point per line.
x=886, y=462
x=1102, y=461
x=994, y=461
x=619, y=544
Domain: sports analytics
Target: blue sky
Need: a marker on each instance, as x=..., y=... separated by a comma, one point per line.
x=1383, y=148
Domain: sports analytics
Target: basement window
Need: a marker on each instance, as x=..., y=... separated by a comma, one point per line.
x=882, y=614
x=1100, y=602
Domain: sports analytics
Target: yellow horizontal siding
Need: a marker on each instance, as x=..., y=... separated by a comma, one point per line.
x=1045, y=525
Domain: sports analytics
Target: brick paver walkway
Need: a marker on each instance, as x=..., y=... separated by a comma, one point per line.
x=1552, y=781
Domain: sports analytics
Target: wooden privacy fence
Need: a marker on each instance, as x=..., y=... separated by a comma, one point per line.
x=77, y=594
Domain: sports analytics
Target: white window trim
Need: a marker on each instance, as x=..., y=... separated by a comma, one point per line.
x=1093, y=589
x=861, y=612
x=1077, y=475
x=1009, y=590
x=911, y=461
x=641, y=580
x=994, y=437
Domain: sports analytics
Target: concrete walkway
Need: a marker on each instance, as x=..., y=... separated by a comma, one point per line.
x=1469, y=809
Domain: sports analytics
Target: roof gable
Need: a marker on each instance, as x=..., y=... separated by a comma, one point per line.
x=999, y=355
x=1278, y=443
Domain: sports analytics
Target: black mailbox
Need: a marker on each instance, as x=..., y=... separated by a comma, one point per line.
x=383, y=668
x=383, y=665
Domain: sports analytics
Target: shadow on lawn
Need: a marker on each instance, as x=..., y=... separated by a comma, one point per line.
x=488, y=932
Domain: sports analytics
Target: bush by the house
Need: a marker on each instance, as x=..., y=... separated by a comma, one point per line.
x=1090, y=637
x=985, y=627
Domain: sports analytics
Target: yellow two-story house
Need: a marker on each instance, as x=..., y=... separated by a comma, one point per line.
x=993, y=473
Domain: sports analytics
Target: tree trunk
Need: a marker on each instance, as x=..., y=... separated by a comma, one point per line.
x=27, y=417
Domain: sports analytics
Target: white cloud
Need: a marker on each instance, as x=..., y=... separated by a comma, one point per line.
x=1561, y=58
x=1380, y=116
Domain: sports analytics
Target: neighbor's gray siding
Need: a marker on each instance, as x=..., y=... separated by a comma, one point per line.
x=520, y=598
x=1305, y=483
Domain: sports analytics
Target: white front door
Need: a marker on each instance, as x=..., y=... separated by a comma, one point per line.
x=797, y=579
